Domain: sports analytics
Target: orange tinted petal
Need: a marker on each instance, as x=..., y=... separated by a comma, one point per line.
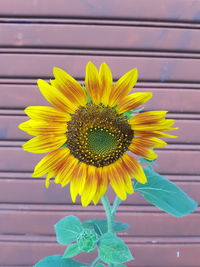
x=69, y=87
x=33, y=127
x=116, y=181
x=78, y=180
x=105, y=77
x=90, y=186
x=92, y=83
x=47, y=114
x=148, y=117
x=46, y=143
x=50, y=161
x=154, y=134
x=56, y=98
x=102, y=185
x=132, y=101
x=134, y=168
x=123, y=86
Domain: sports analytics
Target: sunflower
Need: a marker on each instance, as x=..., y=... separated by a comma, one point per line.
x=93, y=134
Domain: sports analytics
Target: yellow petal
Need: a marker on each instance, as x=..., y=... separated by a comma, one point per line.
x=33, y=127
x=125, y=175
x=47, y=114
x=90, y=186
x=143, y=151
x=134, y=168
x=47, y=180
x=43, y=144
x=123, y=87
x=50, y=161
x=164, y=125
x=154, y=133
x=64, y=174
x=116, y=181
x=56, y=98
x=105, y=77
x=132, y=101
x=69, y=87
x=101, y=186
x=148, y=117
x=92, y=83
x=78, y=180
x=149, y=142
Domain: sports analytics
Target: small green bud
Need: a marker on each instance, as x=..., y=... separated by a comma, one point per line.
x=87, y=240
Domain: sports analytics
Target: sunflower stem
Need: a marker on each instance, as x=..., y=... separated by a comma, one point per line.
x=95, y=262
x=115, y=205
x=110, y=217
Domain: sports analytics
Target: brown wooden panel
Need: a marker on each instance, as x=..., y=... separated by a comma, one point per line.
x=170, y=162
x=9, y=130
x=174, y=100
x=151, y=255
x=152, y=69
x=182, y=10
x=33, y=190
x=141, y=223
x=106, y=37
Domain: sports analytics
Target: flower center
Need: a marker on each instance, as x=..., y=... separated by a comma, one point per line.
x=101, y=141
x=97, y=135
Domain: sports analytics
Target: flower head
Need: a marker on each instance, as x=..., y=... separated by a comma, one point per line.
x=89, y=130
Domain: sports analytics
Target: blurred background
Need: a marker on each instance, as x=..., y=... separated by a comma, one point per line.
x=161, y=39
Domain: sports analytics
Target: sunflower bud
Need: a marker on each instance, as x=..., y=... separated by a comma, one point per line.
x=87, y=240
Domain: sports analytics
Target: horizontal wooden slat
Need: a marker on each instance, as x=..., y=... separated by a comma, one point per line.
x=128, y=239
x=169, y=255
x=150, y=69
x=131, y=38
x=24, y=191
x=9, y=130
x=172, y=99
x=40, y=222
x=169, y=162
x=179, y=10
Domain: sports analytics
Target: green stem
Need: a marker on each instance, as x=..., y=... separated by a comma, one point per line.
x=110, y=213
x=95, y=262
x=107, y=207
x=115, y=205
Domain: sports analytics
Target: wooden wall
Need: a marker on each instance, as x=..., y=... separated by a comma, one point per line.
x=161, y=39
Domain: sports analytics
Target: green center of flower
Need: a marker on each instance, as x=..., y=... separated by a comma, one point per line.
x=101, y=141
x=98, y=135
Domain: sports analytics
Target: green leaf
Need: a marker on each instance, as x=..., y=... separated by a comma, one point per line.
x=71, y=251
x=120, y=265
x=67, y=229
x=113, y=250
x=58, y=261
x=165, y=195
x=99, y=265
x=101, y=226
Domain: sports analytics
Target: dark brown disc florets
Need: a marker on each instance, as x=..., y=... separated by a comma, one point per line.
x=98, y=135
